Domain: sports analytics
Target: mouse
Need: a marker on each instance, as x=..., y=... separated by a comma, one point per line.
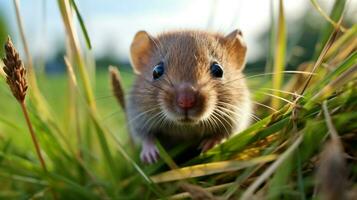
x=189, y=88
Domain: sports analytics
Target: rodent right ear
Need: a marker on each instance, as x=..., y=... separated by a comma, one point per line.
x=141, y=51
x=236, y=47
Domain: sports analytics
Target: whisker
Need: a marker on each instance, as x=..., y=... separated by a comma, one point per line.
x=212, y=122
x=209, y=125
x=159, y=120
x=228, y=116
x=143, y=113
x=220, y=122
x=286, y=92
x=281, y=98
x=263, y=105
x=256, y=118
x=271, y=73
x=148, y=124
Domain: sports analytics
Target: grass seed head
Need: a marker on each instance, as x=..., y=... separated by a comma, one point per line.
x=15, y=71
x=117, y=86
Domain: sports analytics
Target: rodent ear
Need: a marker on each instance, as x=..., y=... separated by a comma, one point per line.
x=236, y=46
x=140, y=50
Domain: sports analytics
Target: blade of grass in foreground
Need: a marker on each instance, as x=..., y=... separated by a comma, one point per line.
x=248, y=172
x=254, y=133
x=269, y=63
x=267, y=173
x=209, y=168
x=325, y=33
x=74, y=41
x=83, y=26
x=279, y=55
x=100, y=132
x=35, y=94
x=336, y=83
x=110, y=162
x=345, y=65
x=348, y=36
x=319, y=9
x=320, y=58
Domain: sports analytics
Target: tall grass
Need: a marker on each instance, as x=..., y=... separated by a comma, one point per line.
x=281, y=156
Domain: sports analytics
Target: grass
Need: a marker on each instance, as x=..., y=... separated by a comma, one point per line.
x=82, y=134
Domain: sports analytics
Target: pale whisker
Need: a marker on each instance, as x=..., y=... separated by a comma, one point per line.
x=286, y=92
x=143, y=113
x=281, y=98
x=228, y=116
x=218, y=122
x=256, y=118
x=282, y=72
x=263, y=105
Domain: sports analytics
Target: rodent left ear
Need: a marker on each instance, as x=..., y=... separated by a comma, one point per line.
x=141, y=51
x=236, y=47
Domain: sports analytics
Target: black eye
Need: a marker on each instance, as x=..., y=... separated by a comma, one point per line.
x=216, y=70
x=158, y=71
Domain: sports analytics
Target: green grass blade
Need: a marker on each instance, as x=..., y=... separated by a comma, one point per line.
x=345, y=65
x=325, y=33
x=9, y=123
x=148, y=181
x=269, y=63
x=65, y=184
x=348, y=36
x=81, y=23
x=300, y=180
x=319, y=9
x=344, y=78
x=279, y=55
x=64, y=8
x=209, y=168
x=254, y=133
x=165, y=156
x=272, y=168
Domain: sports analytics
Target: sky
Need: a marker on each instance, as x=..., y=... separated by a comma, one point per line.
x=112, y=24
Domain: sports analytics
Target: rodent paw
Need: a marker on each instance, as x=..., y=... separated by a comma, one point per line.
x=149, y=154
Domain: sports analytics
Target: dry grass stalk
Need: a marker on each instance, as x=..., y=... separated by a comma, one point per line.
x=249, y=192
x=16, y=79
x=331, y=174
x=321, y=57
x=117, y=86
x=332, y=171
x=23, y=38
x=67, y=18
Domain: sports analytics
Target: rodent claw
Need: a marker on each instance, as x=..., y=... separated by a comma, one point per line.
x=149, y=154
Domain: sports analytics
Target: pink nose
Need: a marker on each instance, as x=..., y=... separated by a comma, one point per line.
x=186, y=96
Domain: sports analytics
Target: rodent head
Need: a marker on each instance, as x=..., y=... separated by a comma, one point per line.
x=188, y=73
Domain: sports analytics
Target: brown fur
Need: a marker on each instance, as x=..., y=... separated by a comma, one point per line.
x=187, y=57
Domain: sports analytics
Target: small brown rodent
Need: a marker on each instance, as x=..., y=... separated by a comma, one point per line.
x=189, y=88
